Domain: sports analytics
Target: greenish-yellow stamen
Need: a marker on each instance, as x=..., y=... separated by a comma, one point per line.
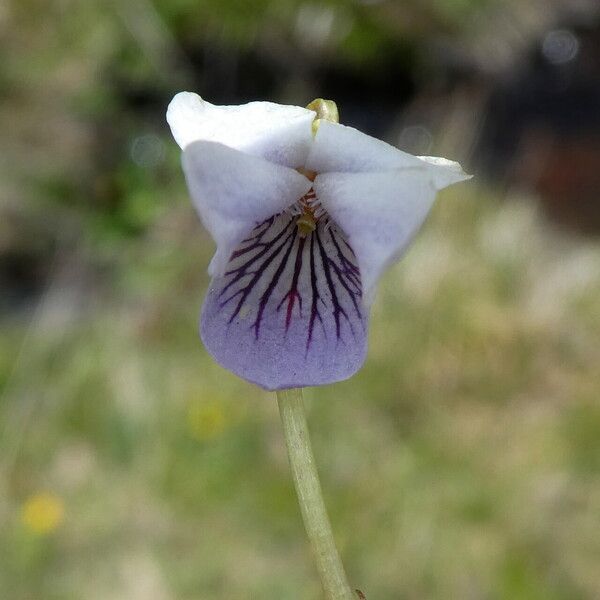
x=326, y=110
x=310, y=210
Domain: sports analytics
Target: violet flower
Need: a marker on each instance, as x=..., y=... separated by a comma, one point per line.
x=307, y=214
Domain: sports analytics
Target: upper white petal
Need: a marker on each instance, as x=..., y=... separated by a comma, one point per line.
x=338, y=148
x=379, y=212
x=233, y=192
x=278, y=133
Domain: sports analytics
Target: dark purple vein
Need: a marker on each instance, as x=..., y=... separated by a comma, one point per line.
x=267, y=294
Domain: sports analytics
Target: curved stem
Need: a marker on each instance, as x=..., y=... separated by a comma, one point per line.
x=308, y=488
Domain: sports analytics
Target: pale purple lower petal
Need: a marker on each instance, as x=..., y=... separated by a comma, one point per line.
x=288, y=312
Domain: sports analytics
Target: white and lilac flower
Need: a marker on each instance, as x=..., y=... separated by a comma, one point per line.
x=307, y=214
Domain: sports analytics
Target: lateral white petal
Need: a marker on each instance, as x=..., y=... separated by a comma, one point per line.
x=338, y=148
x=233, y=192
x=344, y=149
x=379, y=212
x=278, y=133
x=445, y=172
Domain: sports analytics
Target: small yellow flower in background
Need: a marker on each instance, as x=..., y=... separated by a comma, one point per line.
x=206, y=420
x=42, y=513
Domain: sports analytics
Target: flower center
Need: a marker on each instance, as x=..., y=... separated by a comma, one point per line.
x=308, y=209
x=307, y=219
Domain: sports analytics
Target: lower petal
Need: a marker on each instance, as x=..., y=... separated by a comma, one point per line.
x=288, y=311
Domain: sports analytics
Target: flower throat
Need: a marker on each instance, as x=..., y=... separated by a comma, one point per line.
x=309, y=209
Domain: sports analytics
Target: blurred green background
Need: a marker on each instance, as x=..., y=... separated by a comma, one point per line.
x=462, y=462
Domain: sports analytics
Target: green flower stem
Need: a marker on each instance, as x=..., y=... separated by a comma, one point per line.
x=308, y=488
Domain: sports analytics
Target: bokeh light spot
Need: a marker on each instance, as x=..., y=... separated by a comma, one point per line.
x=147, y=151
x=415, y=139
x=560, y=46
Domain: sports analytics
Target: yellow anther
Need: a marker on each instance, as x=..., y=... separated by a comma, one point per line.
x=326, y=110
x=310, y=175
x=306, y=224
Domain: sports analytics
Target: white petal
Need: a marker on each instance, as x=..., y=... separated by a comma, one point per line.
x=379, y=212
x=278, y=133
x=342, y=149
x=233, y=192
x=445, y=172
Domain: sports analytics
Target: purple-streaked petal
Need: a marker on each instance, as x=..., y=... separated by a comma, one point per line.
x=288, y=311
x=379, y=212
x=233, y=192
x=275, y=132
x=338, y=148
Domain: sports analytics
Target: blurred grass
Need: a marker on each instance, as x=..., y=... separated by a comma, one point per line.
x=462, y=462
